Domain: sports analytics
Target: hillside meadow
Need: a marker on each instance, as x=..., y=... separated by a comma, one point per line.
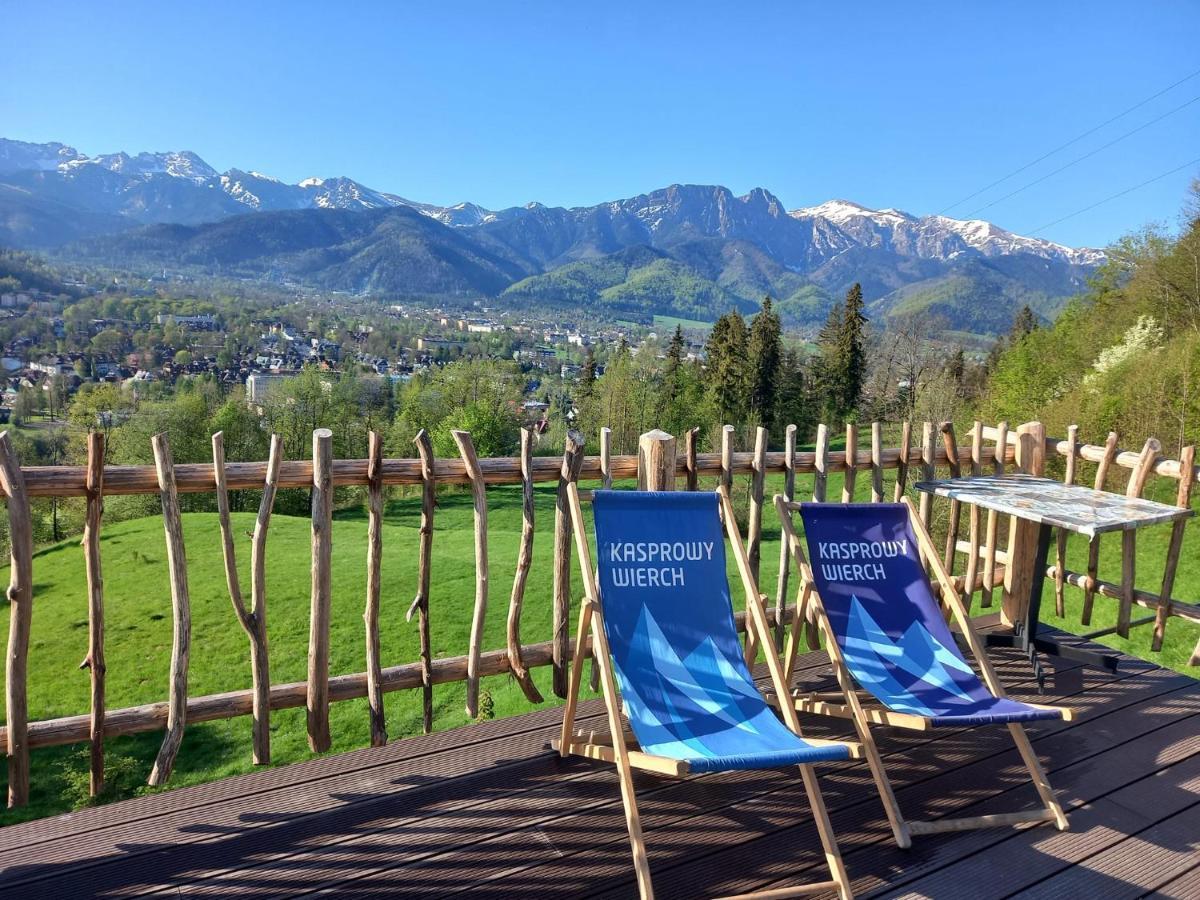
x=138, y=625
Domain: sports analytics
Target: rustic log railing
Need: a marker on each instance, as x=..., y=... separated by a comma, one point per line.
x=658, y=462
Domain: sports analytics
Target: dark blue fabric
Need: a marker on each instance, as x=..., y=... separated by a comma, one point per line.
x=886, y=620
x=669, y=622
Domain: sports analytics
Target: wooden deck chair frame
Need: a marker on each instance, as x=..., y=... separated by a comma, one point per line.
x=865, y=715
x=618, y=746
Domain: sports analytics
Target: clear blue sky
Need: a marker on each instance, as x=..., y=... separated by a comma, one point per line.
x=912, y=105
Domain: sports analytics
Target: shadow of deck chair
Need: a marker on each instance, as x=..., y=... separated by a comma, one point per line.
x=662, y=627
x=869, y=594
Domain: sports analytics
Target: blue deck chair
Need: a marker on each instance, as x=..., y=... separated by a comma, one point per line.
x=868, y=592
x=662, y=627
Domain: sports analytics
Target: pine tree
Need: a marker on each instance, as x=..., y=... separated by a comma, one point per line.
x=728, y=372
x=587, y=376
x=794, y=401
x=1025, y=323
x=672, y=374
x=843, y=362
x=854, y=341
x=675, y=353
x=765, y=347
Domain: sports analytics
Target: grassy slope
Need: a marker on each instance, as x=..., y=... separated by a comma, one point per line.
x=139, y=628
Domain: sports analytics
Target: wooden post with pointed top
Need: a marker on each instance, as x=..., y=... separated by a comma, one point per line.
x=317, y=694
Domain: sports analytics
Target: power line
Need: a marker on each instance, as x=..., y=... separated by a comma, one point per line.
x=1087, y=155
x=1073, y=140
x=1130, y=190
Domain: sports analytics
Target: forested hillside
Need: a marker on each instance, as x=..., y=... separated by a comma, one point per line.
x=1124, y=356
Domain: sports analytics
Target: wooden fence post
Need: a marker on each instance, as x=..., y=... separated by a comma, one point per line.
x=572, y=462
x=974, y=519
x=689, y=451
x=876, y=462
x=821, y=464
x=253, y=622
x=94, y=662
x=757, y=484
x=605, y=458
x=950, y=443
x=424, y=561
x=851, y=456
x=785, y=557
x=524, y=561
x=466, y=449
x=656, y=461
x=20, y=618
x=181, y=609
x=727, y=456
x=1060, y=539
x=374, y=576
x=999, y=455
x=925, y=505
x=902, y=463
x=317, y=697
x=1093, y=562
x=1019, y=575
x=1137, y=483
x=260, y=666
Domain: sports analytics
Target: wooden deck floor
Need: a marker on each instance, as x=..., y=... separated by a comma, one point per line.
x=486, y=811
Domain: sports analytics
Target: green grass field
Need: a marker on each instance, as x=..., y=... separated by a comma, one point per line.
x=138, y=622
x=670, y=322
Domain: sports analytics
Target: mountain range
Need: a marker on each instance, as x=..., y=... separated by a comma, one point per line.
x=690, y=250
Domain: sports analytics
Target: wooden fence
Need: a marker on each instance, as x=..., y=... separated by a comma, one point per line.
x=992, y=559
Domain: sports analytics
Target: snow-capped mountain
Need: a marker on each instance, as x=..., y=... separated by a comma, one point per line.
x=691, y=249
x=933, y=237
x=139, y=186
x=182, y=164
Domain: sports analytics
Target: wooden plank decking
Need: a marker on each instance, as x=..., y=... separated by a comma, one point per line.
x=487, y=811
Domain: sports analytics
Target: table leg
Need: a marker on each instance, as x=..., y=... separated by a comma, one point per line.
x=1028, y=629
x=1025, y=633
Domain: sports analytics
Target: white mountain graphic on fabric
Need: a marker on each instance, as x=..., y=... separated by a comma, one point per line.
x=872, y=656
x=708, y=665
x=675, y=672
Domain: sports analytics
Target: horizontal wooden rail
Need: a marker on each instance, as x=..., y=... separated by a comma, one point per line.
x=1146, y=599
x=194, y=478
x=1126, y=459
x=153, y=716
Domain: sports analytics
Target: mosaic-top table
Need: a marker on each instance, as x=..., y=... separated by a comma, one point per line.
x=1051, y=504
